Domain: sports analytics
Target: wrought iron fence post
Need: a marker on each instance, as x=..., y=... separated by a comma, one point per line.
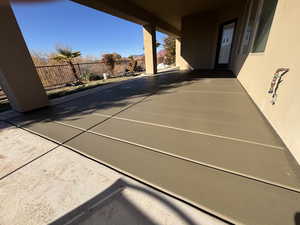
x=79, y=69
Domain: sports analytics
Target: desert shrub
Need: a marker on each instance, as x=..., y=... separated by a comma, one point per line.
x=110, y=60
x=94, y=77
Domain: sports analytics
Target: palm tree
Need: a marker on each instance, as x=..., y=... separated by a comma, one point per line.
x=110, y=60
x=67, y=55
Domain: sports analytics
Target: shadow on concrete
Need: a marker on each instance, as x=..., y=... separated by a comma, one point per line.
x=119, y=98
x=297, y=218
x=112, y=206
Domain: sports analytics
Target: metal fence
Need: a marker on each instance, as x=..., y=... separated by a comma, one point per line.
x=55, y=76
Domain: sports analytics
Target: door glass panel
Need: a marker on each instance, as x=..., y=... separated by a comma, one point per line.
x=226, y=43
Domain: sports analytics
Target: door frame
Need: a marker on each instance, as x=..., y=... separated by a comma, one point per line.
x=221, y=26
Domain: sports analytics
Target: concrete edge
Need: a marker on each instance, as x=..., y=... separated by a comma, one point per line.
x=171, y=194
x=294, y=163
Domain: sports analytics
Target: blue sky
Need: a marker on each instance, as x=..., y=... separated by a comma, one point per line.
x=44, y=25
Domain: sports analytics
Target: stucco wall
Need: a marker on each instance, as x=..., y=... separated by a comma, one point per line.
x=283, y=49
x=200, y=36
x=198, y=40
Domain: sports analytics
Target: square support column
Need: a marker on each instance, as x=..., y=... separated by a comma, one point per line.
x=18, y=76
x=150, y=49
x=178, y=52
x=180, y=61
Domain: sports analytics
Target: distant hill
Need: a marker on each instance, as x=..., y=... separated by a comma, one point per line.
x=138, y=57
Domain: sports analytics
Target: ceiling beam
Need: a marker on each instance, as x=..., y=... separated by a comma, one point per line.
x=130, y=11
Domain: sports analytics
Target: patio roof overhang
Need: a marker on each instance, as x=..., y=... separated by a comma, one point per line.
x=166, y=15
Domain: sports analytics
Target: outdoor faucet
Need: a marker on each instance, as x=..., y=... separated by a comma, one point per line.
x=277, y=79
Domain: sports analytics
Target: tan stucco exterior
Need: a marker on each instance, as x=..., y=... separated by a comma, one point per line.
x=256, y=73
x=198, y=40
x=179, y=60
x=18, y=77
x=200, y=36
x=150, y=49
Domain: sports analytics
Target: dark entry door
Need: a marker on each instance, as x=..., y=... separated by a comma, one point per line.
x=226, y=37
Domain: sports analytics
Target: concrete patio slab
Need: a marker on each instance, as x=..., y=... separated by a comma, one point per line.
x=235, y=156
x=9, y=114
x=82, y=120
x=65, y=114
x=56, y=183
x=90, y=91
x=109, y=101
x=44, y=114
x=18, y=147
x=220, y=85
x=53, y=131
x=209, y=146
x=240, y=200
x=102, y=100
x=134, y=204
x=65, y=185
x=231, y=115
x=93, y=103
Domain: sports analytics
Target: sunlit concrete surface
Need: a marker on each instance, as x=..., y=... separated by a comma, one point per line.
x=197, y=136
x=50, y=190
x=18, y=147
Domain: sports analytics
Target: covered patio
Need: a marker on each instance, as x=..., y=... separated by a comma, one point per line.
x=195, y=136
